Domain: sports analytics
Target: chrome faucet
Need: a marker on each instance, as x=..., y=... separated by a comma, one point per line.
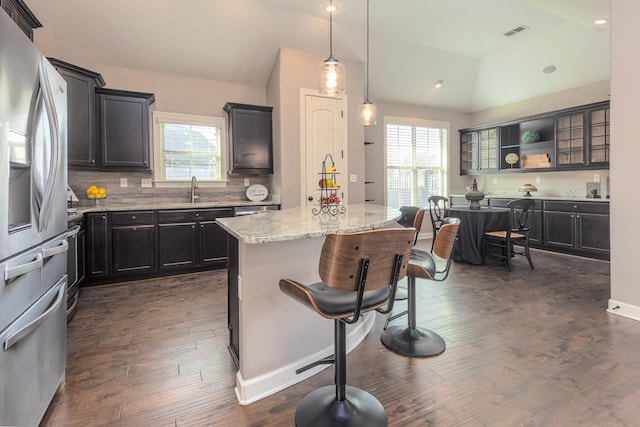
x=194, y=185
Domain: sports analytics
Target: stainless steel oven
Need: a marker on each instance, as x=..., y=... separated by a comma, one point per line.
x=75, y=264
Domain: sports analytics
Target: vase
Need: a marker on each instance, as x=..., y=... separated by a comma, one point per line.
x=474, y=196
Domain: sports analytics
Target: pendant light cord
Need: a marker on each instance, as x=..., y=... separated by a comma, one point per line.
x=331, y=28
x=367, y=85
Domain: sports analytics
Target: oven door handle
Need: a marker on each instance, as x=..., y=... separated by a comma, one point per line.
x=29, y=327
x=13, y=272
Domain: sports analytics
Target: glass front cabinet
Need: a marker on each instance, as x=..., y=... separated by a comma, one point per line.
x=571, y=139
x=478, y=151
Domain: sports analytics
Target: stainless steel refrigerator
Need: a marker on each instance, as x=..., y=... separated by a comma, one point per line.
x=33, y=225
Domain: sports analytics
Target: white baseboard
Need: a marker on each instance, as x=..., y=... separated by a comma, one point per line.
x=624, y=310
x=249, y=391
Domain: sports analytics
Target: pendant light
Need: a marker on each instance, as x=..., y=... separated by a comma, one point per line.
x=367, y=110
x=332, y=75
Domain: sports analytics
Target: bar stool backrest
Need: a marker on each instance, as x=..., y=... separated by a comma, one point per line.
x=446, y=238
x=342, y=255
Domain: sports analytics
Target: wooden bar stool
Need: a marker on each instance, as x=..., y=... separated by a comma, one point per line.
x=412, y=340
x=359, y=272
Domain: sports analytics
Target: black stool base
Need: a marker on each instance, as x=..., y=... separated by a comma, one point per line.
x=320, y=408
x=412, y=342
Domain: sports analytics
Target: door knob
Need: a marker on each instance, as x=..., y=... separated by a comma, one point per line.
x=310, y=198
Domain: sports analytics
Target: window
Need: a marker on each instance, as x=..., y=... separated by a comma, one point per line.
x=416, y=160
x=186, y=146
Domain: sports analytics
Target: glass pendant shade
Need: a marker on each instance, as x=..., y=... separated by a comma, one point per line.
x=367, y=113
x=331, y=77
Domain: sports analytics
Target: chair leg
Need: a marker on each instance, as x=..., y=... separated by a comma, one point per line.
x=528, y=255
x=433, y=240
x=412, y=340
x=508, y=249
x=340, y=405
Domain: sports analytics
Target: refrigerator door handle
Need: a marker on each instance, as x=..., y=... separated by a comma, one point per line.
x=49, y=252
x=54, y=131
x=29, y=327
x=19, y=270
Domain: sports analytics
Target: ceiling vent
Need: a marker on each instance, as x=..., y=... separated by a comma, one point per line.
x=516, y=30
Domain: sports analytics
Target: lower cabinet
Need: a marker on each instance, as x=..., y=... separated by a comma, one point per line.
x=97, y=255
x=191, y=238
x=133, y=243
x=581, y=228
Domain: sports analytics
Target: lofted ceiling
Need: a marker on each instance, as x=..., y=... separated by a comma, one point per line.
x=413, y=43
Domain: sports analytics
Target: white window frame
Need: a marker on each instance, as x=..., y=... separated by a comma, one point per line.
x=393, y=120
x=187, y=119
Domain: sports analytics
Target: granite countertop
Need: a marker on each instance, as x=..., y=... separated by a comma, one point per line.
x=106, y=206
x=300, y=223
x=540, y=197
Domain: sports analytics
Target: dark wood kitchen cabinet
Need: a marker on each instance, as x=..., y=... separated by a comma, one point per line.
x=581, y=228
x=82, y=144
x=133, y=242
x=213, y=240
x=21, y=15
x=479, y=151
x=124, y=129
x=97, y=254
x=250, y=133
x=191, y=238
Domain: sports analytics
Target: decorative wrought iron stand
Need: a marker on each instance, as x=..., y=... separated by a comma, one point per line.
x=330, y=202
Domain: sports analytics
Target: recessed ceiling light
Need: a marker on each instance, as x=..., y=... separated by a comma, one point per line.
x=600, y=21
x=549, y=69
x=439, y=84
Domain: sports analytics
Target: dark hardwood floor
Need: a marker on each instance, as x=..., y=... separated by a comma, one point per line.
x=527, y=348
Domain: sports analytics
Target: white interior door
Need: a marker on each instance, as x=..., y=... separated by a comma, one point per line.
x=324, y=132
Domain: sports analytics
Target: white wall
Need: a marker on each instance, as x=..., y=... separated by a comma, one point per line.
x=298, y=69
x=625, y=118
x=375, y=153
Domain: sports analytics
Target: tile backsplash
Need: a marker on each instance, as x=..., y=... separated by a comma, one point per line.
x=134, y=193
x=549, y=184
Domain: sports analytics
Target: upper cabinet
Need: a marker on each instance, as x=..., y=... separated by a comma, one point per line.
x=575, y=138
x=478, y=151
x=124, y=129
x=598, y=135
x=21, y=15
x=250, y=133
x=81, y=117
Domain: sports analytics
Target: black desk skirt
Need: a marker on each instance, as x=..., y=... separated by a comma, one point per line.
x=473, y=224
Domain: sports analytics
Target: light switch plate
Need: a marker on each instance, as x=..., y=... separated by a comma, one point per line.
x=353, y=178
x=124, y=182
x=596, y=177
x=537, y=180
x=247, y=182
x=146, y=183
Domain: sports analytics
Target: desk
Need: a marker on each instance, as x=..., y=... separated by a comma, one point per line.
x=473, y=225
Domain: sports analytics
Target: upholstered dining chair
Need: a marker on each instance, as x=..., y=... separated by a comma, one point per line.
x=359, y=272
x=517, y=234
x=437, y=209
x=412, y=340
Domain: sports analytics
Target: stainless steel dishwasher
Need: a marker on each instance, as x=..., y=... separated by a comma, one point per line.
x=252, y=210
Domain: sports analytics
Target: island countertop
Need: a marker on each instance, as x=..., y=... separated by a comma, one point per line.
x=301, y=223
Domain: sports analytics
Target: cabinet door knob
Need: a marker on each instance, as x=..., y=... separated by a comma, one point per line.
x=133, y=217
x=197, y=214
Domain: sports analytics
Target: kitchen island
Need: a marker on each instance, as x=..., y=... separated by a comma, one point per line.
x=271, y=335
